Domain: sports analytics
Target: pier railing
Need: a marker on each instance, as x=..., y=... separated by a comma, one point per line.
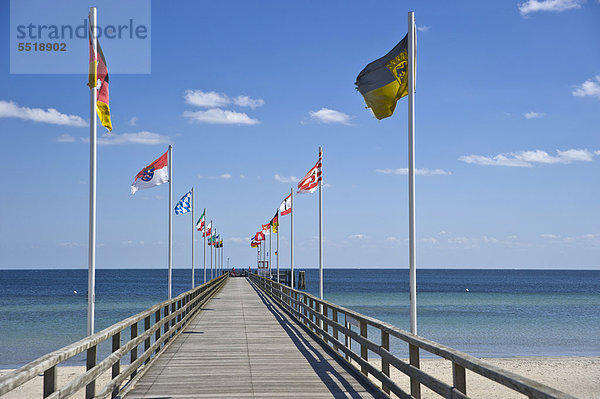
x=150, y=332
x=333, y=325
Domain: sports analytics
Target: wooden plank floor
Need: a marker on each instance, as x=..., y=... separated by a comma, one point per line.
x=242, y=346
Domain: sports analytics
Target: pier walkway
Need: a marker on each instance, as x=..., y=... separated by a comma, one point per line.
x=256, y=338
x=242, y=345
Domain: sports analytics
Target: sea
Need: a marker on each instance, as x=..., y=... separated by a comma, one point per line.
x=485, y=313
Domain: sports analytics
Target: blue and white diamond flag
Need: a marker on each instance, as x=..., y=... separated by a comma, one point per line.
x=184, y=204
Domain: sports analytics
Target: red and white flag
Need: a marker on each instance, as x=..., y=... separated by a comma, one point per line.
x=313, y=178
x=259, y=236
x=286, y=205
x=266, y=228
x=152, y=175
x=207, y=230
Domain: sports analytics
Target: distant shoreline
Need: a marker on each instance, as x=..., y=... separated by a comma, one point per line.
x=198, y=268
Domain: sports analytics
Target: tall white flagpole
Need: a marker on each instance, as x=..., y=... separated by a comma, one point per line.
x=193, y=240
x=92, y=216
x=270, y=250
x=411, y=173
x=321, y=226
x=212, y=244
x=170, y=217
x=292, y=234
x=204, y=244
x=277, y=245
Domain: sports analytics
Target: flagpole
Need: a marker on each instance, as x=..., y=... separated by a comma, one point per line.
x=270, y=250
x=204, y=243
x=193, y=227
x=321, y=226
x=170, y=218
x=92, y=215
x=278, y=245
x=411, y=172
x=212, y=242
x=292, y=234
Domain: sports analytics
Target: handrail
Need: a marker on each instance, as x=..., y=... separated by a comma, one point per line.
x=314, y=313
x=176, y=313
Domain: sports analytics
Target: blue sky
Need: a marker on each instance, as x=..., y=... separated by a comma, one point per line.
x=507, y=135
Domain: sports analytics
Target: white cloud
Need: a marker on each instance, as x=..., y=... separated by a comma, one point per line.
x=212, y=99
x=533, y=115
x=590, y=87
x=65, y=138
x=357, y=236
x=208, y=99
x=422, y=28
x=326, y=115
x=550, y=236
x=422, y=172
x=147, y=138
x=283, y=179
x=530, y=158
x=70, y=244
x=218, y=116
x=245, y=101
x=548, y=5
x=133, y=121
x=9, y=109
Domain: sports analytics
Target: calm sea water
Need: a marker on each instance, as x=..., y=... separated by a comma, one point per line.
x=505, y=312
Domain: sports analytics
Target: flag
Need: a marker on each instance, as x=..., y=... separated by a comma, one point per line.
x=254, y=244
x=207, y=230
x=384, y=81
x=98, y=76
x=200, y=222
x=286, y=205
x=266, y=229
x=313, y=178
x=259, y=236
x=152, y=175
x=184, y=204
x=275, y=222
x=221, y=243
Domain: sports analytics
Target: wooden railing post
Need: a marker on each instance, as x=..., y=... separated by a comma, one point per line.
x=335, y=330
x=134, y=352
x=147, y=340
x=459, y=377
x=385, y=365
x=50, y=377
x=364, y=351
x=157, y=332
x=174, y=319
x=325, y=313
x=166, y=325
x=116, y=344
x=415, y=387
x=90, y=389
x=347, y=339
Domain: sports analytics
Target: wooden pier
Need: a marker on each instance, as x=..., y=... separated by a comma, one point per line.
x=254, y=338
x=243, y=346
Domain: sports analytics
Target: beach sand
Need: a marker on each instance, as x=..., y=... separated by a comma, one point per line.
x=578, y=376
x=33, y=388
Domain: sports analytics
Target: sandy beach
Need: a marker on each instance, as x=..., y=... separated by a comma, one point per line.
x=578, y=376
x=33, y=388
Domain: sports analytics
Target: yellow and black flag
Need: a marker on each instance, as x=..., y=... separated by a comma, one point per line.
x=99, y=72
x=384, y=81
